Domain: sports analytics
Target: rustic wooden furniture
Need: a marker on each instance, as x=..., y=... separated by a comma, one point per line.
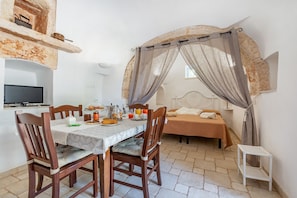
x=139, y=152
x=45, y=159
x=98, y=139
x=65, y=110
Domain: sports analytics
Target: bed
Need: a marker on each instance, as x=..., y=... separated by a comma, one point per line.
x=197, y=115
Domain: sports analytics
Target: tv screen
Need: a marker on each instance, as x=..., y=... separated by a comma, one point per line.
x=16, y=94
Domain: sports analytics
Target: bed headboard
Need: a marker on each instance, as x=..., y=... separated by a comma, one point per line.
x=195, y=99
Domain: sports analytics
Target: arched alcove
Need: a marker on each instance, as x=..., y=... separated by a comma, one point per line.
x=272, y=61
x=256, y=68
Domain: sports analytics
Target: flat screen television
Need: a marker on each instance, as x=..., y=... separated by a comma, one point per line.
x=19, y=94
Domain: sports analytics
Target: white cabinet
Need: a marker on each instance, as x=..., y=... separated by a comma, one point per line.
x=254, y=172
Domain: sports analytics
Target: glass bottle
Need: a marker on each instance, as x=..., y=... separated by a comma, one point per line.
x=96, y=116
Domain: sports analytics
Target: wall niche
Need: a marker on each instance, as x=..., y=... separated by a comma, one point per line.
x=32, y=14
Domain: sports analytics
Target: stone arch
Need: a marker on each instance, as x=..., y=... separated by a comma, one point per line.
x=256, y=68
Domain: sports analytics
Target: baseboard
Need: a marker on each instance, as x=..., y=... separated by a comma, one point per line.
x=279, y=189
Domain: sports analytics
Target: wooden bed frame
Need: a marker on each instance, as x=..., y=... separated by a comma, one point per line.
x=194, y=125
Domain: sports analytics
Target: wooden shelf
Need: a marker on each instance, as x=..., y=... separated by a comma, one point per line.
x=31, y=35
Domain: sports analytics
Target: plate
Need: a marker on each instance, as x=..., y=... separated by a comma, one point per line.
x=139, y=119
x=92, y=122
x=110, y=124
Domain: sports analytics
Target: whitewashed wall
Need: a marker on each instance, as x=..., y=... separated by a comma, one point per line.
x=106, y=30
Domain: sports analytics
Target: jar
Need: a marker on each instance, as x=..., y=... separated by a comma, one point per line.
x=71, y=120
x=96, y=116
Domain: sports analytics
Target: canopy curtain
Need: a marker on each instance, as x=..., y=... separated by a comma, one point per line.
x=216, y=61
x=151, y=67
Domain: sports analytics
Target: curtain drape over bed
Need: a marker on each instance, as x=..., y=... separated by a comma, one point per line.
x=215, y=59
x=152, y=65
x=217, y=63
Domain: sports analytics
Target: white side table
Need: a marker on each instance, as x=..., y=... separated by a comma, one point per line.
x=254, y=172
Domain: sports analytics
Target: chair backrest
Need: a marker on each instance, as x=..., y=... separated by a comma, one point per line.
x=64, y=111
x=154, y=129
x=139, y=106
x=35, y=133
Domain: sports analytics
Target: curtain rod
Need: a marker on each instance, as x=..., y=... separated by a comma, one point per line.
x=199, y=37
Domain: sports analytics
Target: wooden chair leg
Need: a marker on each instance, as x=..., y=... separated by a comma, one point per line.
x=32, y=181
x=144, y=180
x=158, y=169
x=40, y=181
x=111, y=185
x=56, y=186
x=72, y=179
x=131, y=168
x=95, y=177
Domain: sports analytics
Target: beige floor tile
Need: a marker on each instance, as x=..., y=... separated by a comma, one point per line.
x=177, y=155
x=169, y=193
x=210, y=187
x=175, y=171
x=227, y=164
x=181, y=188
x=169, y=181
x=183, y=165
x=227, y=193
x=203, y=164
x=218, y=179
x=200, y=193
x=8, y=181
x=239, y=186
x=19, y=187
x=191, y=179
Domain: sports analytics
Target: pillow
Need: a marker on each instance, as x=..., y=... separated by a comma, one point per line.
x=212, y=111
x=171, y=114
x=208, y=115
x=189, y=111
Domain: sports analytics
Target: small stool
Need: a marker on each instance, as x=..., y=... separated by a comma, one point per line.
x=254, y=172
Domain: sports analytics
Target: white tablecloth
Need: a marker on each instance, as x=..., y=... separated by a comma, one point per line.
x=95, y=137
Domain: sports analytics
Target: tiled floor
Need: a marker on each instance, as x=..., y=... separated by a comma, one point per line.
x=195, y=170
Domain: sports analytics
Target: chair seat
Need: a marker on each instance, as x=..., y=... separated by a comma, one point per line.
x=132, y=146
x=67, y=154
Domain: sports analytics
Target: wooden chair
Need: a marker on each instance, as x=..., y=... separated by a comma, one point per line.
x=45, y=159
x=65, y=110
x=139, y=152
x=139, y=106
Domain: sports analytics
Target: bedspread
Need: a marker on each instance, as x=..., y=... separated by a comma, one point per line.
x=194, y=125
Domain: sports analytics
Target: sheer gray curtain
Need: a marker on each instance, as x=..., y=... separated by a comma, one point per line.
x=217, y=63
x=152, y=65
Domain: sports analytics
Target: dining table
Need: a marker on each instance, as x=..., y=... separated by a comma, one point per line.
x=98, y=138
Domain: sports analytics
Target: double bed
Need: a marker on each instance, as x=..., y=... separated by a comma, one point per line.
x=197, y=115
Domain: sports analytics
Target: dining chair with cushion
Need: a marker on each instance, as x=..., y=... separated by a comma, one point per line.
x=143, y=152
x=47, y=159
x=64, y=111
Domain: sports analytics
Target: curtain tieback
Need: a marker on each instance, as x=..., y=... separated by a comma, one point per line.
x=246, y=112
